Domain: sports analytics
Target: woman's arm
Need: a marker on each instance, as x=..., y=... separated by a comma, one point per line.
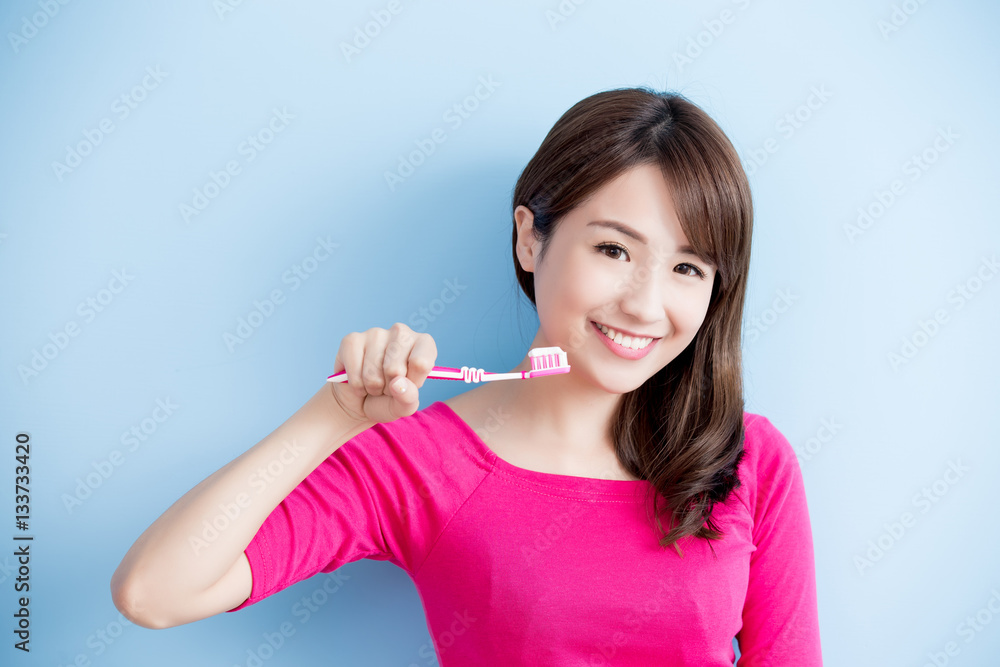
x=780, y=614
x=189, y=564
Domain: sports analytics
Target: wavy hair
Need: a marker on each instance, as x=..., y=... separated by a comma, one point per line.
x=682, y=430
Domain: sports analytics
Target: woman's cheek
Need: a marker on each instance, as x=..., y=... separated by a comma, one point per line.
x=698, y=317
x=592, y=286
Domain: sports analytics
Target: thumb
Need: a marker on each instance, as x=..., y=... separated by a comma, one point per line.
x=405, y=396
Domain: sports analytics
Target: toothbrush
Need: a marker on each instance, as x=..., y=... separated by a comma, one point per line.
x=544, y=361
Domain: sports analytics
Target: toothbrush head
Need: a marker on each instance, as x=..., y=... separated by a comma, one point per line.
x=547, y=361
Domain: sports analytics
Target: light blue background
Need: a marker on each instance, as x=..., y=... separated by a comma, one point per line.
x=823, y=360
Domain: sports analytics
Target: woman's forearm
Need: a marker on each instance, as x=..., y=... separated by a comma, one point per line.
x=198, y=538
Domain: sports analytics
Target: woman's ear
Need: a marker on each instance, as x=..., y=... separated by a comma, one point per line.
x=527, y=244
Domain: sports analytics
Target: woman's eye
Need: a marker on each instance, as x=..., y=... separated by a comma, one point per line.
x=697, y=272
x=622, y=251
x=614, y=247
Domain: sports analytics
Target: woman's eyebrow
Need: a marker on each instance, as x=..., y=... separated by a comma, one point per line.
x=622, y=228
x=628, y=231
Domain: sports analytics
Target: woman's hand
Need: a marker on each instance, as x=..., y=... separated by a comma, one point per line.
x=385, y=368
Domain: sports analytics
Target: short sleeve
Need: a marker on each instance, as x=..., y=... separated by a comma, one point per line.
x=385, y=494
x=328, y=520
x=780, y=615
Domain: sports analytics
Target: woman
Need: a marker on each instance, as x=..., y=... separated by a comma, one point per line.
x=628, y=512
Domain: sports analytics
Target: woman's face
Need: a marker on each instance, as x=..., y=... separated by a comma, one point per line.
x=637, y=279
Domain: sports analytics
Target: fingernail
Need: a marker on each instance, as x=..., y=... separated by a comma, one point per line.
x=401, y=386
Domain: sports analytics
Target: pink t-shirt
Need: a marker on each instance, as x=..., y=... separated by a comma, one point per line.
x=518, y=567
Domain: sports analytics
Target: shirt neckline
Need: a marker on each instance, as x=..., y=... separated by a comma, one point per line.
x=547, y=480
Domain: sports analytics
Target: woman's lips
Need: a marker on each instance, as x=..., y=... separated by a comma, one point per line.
x=621, y=350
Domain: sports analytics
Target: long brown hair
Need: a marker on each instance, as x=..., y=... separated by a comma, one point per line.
x=682, y=430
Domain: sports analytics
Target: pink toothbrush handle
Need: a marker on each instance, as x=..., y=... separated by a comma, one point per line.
x=441, y=373
x=544, y=361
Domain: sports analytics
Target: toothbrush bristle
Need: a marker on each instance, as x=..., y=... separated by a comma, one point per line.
x=548, y=361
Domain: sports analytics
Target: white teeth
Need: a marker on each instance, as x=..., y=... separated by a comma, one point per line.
x=625, y=341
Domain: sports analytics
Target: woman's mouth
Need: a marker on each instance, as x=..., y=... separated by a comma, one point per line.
x=624, y=346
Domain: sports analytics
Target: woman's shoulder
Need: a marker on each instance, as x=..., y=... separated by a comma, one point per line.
x=768, y=460
x=764, y=442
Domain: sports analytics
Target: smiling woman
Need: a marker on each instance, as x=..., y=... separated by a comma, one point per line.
x=656, y=170
x=544, y=540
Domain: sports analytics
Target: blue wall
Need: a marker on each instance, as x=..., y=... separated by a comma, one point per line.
x=140, y=225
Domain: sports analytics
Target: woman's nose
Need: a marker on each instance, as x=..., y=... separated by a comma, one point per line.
x=643, y=296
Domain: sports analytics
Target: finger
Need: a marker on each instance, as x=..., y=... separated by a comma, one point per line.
x=389, y=408
x=379, y=408
x=406, y=399
x=351, y=355
x=422, y=358
x=371, y=367
x=397, y=351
